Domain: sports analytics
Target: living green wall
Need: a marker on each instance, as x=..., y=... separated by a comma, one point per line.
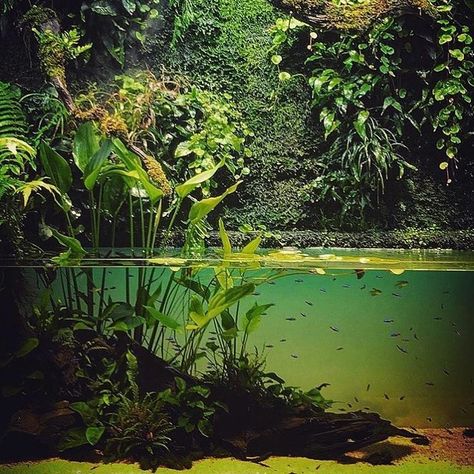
x=226, y=48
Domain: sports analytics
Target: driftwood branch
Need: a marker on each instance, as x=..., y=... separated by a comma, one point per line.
x=326, y=15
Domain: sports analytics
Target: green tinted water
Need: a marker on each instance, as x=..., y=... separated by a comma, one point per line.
x=383, y=337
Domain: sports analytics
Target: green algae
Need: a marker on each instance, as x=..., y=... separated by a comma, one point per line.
x=419, y=465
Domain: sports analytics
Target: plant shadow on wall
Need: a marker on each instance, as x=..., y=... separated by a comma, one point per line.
x=387, y=96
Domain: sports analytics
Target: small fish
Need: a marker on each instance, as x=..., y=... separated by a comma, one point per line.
x=339, y=348
x=333, y=328
x=368, y=387
x=401, y=284
x=438, y=318
x=359, y=273
x=394, y=334
x=398, y=295
x=294, y=356
x=269, y=346
x=402, y=397
x=413, y=428
x=342, y=409
x=415, y=336
x=322, y=290
x=431, y=384
x=346, y=286
x=442, y=305
x=366, y=408
x=363, y=287
x=445, y=371
x=356, y=399
x=256, y=294
x=349, y=405
x=388, y=320
x=379, y=277
x=464, y=410
x=304, y=315
x=401, y=349
x=271, y=283
x=386, y=396
x=429, y=419
x=282, y=340
x=375, y=292
x=446, y=292
x=405, y=339
x=309, y=303
x=298, y=280
x=449, y=431
x=291, y=319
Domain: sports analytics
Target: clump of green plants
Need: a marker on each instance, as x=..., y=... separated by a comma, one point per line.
x=385, y=95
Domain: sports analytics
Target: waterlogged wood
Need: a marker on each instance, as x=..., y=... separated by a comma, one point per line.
x=358, y=16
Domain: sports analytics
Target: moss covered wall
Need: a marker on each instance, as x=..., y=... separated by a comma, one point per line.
x=226, y=48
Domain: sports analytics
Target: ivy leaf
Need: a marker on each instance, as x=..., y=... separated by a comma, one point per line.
x=276, y=59
x=359, y=124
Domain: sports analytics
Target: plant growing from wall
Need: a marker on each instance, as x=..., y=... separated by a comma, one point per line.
x=408, y=76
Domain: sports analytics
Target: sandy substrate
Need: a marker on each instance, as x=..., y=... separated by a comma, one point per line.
x=448, y=453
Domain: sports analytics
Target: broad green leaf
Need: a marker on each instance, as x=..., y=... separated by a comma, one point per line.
x=182, y=150
x=96, y=163
x=226, y=246
x=359, y=124
x=132, y=163
x=94, y=433
x=29, y=345
x=56, y=167
x=224, y=299
x=284, y=76
x=85, y=145
x=202, y=208
x=164, y=319
x=276, y=59
x=187, y=187
x=252, y=246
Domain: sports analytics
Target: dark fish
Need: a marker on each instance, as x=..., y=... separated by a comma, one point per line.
x=294, y=356
x=405, y=339
x=449, y=431
x=401, y=349
x=269, y=346
x=366, y=408
x=291, y=319
x=398, y=295
x=402, y=397
x=368, y=387
x=309, y=303
x=359, y=273
x=386, y=396
x=429, y=419
x=339, y=348
x=375, y=292
x=282, y=340
x=256, y=294
x=363, y=287
x=356, y=399
x=401, y=283
x=271, y=283
x=342, y=409
x=415, y=336
x=322, y=290
x=304, y=315
x=445, y=371
x=442, y=306
x=333, y=328
x=394, y=334
x=464, y=410
x=379, y=277
x=438, y=318
x=413, y=428
x=349, y=405
x=298, y=281
x=431, y=384
x=388, y=320
x=346, y=286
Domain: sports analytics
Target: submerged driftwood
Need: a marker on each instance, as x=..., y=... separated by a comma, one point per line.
x=251, y=429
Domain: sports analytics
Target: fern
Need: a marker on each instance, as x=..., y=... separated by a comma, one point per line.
x=15, y=153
